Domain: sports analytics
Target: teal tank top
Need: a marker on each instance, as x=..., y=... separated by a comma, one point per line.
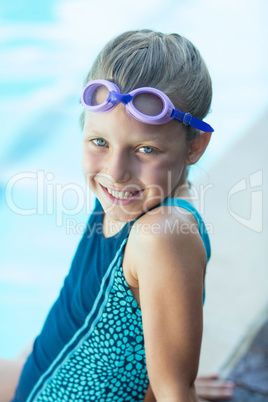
x=91, y=347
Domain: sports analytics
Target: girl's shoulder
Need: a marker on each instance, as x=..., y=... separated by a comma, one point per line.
x=169, y=232
x=172, y=218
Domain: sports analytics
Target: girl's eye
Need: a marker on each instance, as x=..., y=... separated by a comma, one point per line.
x=146, y=150
x=100, y=142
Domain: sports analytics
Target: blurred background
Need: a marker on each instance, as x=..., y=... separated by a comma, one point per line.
x=46, y=50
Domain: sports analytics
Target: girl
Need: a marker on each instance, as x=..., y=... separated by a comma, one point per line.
x=136, y=284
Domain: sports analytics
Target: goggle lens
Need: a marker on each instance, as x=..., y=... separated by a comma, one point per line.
x=148, y=104
x=96, y=95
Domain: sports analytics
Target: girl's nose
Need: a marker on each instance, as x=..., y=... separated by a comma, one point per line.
x=119, y=167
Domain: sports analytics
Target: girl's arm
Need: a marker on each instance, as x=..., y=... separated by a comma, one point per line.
x=170, y=270
x=149, y=396
x=10, y=371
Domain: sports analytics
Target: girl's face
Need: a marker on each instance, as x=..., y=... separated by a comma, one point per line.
x=129, y=165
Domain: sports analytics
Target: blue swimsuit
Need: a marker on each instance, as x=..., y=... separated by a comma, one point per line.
x=91, y=347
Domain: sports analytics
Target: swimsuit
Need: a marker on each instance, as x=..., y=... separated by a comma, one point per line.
x=91, y=347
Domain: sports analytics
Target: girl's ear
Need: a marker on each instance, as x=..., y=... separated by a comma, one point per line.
x=197, y=147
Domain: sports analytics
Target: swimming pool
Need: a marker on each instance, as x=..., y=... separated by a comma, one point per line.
x=46, y=50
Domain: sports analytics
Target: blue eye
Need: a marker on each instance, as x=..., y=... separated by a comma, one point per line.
x=100, y=142
x=146, y=150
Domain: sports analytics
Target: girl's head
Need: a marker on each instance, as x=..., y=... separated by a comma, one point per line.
x=169, y=63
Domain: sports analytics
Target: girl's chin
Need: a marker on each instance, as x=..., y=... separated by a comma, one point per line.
x=120, y=217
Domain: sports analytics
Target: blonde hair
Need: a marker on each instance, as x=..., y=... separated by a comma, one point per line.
x=168, y=62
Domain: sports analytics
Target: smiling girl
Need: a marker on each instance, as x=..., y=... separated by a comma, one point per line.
x=127, y=325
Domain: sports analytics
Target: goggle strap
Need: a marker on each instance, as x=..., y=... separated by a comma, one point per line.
x=188, y=119
x=201, y=125
x=115, y=97
x=177, y=114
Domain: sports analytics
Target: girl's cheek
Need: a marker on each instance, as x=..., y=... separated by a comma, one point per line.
x=90, y=162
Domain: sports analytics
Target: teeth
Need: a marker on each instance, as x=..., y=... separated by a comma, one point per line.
x=119, y=194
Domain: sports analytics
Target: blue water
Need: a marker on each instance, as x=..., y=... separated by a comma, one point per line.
x=27, y=11
x=46, y=50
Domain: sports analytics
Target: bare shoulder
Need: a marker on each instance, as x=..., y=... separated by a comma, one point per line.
x=167, y=233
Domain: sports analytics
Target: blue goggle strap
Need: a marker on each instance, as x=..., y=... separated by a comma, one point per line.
x=188, y=119
x=115, y=97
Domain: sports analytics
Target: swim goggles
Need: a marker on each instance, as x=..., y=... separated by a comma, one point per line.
x=165, y=109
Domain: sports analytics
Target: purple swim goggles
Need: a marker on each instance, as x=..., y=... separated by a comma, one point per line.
x=160, y=111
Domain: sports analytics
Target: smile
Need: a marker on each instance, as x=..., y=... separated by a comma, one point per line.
x=121, y=197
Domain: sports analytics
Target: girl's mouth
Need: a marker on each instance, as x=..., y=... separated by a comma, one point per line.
x=121, y=197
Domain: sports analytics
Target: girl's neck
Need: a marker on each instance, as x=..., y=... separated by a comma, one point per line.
x=111, y=228
x=183, y=192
